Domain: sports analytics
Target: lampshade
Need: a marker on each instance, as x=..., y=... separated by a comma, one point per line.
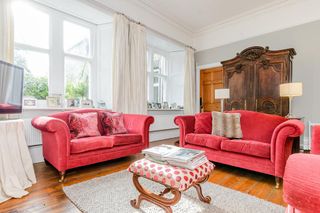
x=222, y=93
x=291, y=89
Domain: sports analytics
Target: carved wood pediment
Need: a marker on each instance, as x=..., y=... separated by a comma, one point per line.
x=253, y=53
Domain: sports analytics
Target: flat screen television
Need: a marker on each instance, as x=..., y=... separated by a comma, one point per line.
x=11, y=88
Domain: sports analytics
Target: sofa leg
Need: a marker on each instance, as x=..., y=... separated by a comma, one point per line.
x=46, y=162
x=62, y=176
x=277, y=179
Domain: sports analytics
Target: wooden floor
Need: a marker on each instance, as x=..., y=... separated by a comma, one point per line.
x=47, y=195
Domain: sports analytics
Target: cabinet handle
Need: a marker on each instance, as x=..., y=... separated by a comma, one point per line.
x=256, y=104
x=245, y=104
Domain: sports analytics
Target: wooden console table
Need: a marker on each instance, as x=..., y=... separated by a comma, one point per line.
x=16, y=168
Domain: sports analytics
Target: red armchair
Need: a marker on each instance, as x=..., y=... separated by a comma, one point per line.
x=301, y=181
x=65, y=153
x=265, y=146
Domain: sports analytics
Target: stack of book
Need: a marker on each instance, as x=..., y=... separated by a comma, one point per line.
x=176, y=156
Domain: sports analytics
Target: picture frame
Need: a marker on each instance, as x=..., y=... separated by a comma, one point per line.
x=71, y=103
x=29, y=102
x=53, y=101
x=86, y=103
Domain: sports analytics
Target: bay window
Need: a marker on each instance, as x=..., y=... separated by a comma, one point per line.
x=157, y=76
x=56, y=50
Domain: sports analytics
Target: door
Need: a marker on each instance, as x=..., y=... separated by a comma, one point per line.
x=210, y=79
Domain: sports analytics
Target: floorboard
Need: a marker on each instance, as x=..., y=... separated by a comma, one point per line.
x=47, y=195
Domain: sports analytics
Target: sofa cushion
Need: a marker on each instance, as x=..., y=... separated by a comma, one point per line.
x=226, y=124
x=80, y=145
x=84, y=124
x=258, y=126
x=206, y=140
x=112, y=123
x=248, y=147
x=203, y=123
x=124, y=139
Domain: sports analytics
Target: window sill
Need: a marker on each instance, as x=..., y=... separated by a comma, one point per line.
x=52, y=108
x=165, y=110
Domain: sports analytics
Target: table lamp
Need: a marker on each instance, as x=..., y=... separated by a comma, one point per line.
x=291, y=90
x=222, y=94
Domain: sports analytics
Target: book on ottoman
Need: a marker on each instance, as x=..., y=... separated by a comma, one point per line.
x=176, y=156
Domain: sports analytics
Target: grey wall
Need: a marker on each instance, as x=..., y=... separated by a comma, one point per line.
x=305, y=39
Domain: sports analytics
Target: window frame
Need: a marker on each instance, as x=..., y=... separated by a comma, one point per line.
x=56, y=53
x=151, y=74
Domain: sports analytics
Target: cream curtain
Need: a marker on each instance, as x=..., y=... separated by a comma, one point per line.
x=6, y=31
x=138, y=69
x=120, y=64
x=189, y=82
x=129, y=66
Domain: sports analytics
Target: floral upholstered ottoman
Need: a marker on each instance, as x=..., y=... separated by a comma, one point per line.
x=175, y=179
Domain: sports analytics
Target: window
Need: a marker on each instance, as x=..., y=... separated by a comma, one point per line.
x=77, y=50
x=32, y=48
x=56, y=51
x=157, y=76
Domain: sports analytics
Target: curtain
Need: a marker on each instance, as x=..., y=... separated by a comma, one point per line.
x=6, y=31
x=120, y=64
x=189, y=82
x=129, y=67
x=138, y=69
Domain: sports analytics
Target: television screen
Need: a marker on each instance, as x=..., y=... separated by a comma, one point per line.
x=11, y=88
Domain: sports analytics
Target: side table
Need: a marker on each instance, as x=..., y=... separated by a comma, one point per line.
x=16, y=168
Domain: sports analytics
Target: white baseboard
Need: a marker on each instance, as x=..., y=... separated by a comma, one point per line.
x=36, y=153
x=164, y=134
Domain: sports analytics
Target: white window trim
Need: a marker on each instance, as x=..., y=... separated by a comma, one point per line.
x=151, y=74
x=56, y=78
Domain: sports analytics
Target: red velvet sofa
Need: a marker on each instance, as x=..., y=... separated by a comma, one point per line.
x=301, y=181
x=265, y=146
x=65, y=153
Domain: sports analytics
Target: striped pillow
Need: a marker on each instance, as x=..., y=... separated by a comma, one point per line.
x=226, y=124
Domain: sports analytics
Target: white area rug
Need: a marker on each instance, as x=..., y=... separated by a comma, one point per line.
x=112, y=194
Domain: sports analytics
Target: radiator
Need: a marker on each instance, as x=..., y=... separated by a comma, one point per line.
x=33, y=136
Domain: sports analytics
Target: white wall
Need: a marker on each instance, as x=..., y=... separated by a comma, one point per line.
x=280, y=16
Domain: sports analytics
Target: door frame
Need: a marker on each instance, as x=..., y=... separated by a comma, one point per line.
x=198, y=69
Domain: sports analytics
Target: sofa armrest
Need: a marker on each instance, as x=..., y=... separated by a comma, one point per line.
x=315, y=143
x=281, y=143
x=55, y=140
x=139, y=124
x=301, y=182
x=186, y=125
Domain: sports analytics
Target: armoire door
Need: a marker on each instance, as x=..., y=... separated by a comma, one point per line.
x=210, y=79
x=269, y=75
x=238, y=79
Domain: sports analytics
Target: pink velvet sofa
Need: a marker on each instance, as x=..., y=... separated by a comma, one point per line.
x=65, y=153
x=265, y=146
x=301, y=181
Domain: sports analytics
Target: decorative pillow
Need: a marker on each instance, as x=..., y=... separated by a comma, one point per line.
x=203, y=123
x=112, y=123
x=226, y=124
x=84, y=124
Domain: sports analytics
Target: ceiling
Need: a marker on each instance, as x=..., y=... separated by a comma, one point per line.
x=196, y=15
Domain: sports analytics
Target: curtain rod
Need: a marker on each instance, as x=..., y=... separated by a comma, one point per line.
x=98, y=5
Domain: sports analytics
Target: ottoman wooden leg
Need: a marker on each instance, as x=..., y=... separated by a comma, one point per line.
x=158, y=200
x=204, y=199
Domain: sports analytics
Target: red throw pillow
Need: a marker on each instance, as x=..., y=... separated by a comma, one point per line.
x=203, y=123
x=84, y=124
x=112, y=123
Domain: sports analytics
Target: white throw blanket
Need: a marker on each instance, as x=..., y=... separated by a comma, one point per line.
x=16, y=168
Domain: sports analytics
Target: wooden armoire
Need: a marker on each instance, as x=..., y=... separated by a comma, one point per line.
x=253, y=78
